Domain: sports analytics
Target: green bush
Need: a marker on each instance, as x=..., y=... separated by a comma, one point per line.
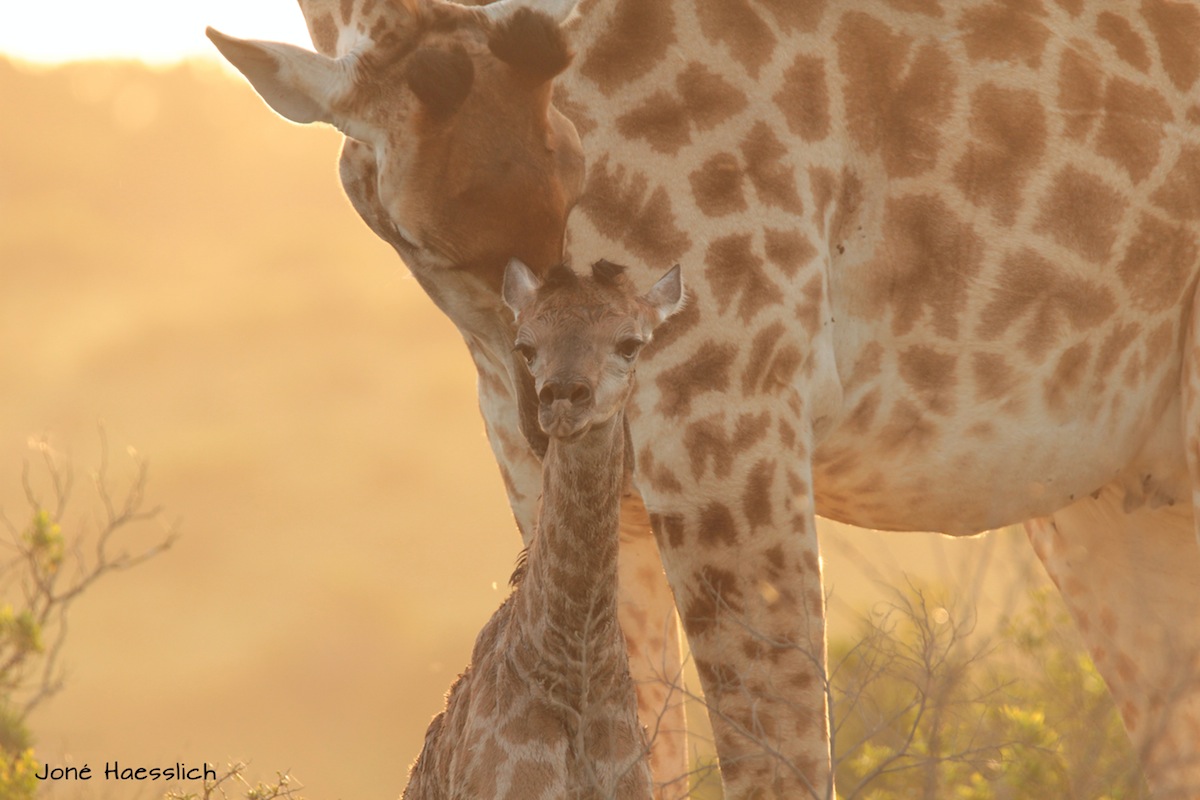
x=925, y=709
x=38, y=586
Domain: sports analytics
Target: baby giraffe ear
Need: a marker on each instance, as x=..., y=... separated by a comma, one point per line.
x=520, y=286
x=298, y=84
x=666, y=296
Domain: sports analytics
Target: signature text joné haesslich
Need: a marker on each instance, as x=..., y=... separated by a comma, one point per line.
x=113, y=771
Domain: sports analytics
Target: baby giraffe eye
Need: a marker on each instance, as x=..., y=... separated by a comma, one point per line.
x=629, y=348
x=526, y=352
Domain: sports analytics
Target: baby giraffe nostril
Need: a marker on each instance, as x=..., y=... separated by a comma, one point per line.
x=576, y=393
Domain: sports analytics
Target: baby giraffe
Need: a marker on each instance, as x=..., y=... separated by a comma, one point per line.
x=546, y=709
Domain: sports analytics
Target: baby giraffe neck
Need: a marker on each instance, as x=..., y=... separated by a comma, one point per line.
x=569, y=592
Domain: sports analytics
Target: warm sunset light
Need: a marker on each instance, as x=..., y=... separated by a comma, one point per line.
x=150, y=30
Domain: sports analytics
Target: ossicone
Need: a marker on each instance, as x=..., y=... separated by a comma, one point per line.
x=531, y=43
x=441, y=79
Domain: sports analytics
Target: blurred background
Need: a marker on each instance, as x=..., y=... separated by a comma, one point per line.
x=182, y=277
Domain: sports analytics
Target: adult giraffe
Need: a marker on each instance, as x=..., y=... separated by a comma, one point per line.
x=949, y=259
x=455, y=156
x=944, y=262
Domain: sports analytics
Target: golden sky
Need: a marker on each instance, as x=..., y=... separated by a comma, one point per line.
x=156, y=31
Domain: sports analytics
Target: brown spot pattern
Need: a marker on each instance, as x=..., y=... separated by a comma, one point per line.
x=907, y=429
x=325, y=34
x=896, y=101
x=740, y=28
x=928, y=7
x=1132, y=132
x=759, y=362
x=808, y=310
x=773, y=178
x=660, y=120
x=1081, y=213
x=1176, y=29
x=931, y=258
x=1157, y=264
x=1117, y=31
x=792, y=15
x=708, y=98
x=868, y=365
x=756, y=501
x=1180, y=193
x=717, y=526
x=804, y=99
x=636, y=40
x=931, y=375
x=1114, y=346
x=707, y=441
x=788, y=250
x=659, y=476
x=717, y=186
x=664, y=120
x=994, y=378
x=1080, y=93
x=1005, y=31
x=1159, y=345
x=576, y=112
x=860, y=419
x=668, y=529
x=1028, y=286
x=1009, y=130
x=706, y=371
x=734, y=271
x=622, y=208
x=1067, y=377
x=773, y=364
x=715, y=590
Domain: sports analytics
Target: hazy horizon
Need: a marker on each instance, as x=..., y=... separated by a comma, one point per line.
x=151, y=31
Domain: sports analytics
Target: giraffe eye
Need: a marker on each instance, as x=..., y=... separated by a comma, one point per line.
x=629, y=348
x=527, y=352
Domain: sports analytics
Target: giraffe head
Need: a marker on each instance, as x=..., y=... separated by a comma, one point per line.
x=581, y=336
x=454, y=154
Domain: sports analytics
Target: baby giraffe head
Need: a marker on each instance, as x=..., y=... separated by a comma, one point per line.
x=581, y=336
x=455, y=154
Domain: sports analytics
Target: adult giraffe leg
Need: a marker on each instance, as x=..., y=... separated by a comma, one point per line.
x=1132, y=584
x=651, y=627
x=743, y=562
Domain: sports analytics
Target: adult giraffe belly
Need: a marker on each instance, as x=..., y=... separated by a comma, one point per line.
x=995, y=446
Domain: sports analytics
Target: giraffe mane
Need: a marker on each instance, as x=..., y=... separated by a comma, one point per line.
x=606, y=273
x=520, y=568
x=560, y=276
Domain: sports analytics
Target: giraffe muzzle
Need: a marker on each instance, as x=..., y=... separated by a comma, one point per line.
x=564, y=407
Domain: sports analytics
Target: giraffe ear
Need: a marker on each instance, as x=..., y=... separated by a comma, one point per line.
x=298, y=84
x=520, y=286
x=666, y=296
